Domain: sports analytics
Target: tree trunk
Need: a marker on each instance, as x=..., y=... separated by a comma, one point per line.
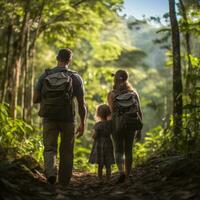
x=31, y=88
x=15, y=87
x=22, y=78
x=32, y=69
x=17, y=60
x=26, y=65
x=188, y=48
x=177, y=76
x=6, y=69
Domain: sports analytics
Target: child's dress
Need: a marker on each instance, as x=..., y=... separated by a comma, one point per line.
x=102, y=150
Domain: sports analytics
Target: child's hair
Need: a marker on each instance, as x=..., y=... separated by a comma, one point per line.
x=102, y=112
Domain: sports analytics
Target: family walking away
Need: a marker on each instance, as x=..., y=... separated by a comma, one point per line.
x=117, y=123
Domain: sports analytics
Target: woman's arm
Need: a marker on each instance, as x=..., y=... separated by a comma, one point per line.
x=94, y=135
x=139, y=104
x=110, y=100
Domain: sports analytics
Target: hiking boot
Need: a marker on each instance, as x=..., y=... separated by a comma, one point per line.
x=51, y=180
x=121, y=179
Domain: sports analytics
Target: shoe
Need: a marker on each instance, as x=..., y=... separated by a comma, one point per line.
x=51, y=180
x=121, y=179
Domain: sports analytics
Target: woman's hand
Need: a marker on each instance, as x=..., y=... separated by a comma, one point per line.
x=94, y=135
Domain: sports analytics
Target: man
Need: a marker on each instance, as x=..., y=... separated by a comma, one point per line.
x=56, y=90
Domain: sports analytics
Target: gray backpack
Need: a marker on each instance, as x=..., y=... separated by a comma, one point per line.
x=126, y=116
x=57, y=94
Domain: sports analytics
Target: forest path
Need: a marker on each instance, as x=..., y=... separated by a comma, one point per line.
x=157, y=179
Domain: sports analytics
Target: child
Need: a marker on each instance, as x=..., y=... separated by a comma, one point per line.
x=102, y=151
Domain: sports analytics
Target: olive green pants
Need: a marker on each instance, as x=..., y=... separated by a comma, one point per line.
x=123, y=143
x=51, y=131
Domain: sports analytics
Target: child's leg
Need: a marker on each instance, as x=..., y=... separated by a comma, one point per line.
x=108, y=172
x=100, y=171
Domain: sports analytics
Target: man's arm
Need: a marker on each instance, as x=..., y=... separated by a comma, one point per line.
x=82, y=111
x=36, y=97
x=37, y=92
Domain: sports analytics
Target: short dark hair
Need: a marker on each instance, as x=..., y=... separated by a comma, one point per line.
x=64, y=55
x=103, y=111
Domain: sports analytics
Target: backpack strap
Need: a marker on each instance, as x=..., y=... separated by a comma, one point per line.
x=117, y=93
x=47, y=71
x=69, y=72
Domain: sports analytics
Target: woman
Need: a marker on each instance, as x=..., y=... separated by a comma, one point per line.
x=123, y=140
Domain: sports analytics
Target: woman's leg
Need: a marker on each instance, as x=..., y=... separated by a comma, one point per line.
x=108, y=172
x=100, y=171
x=129, y=138
x=120, y=163
x=119, y=152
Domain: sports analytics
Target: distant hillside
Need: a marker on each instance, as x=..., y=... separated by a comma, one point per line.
x=142, y=35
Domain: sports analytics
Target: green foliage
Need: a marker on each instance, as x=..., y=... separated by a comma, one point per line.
x=195, y=61
x=18, y=134
x=156, y=141
x=81, y=157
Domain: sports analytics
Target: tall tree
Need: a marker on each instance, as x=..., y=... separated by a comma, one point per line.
x=187, y=40
x=177, y=76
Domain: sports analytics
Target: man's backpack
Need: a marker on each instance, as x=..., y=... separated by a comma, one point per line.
x=57, y=94
x=126, y=115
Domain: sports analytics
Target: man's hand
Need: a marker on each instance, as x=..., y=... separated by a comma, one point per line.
x=80, y=130
x=36, y=97
x=82, y=113
x=138, y=136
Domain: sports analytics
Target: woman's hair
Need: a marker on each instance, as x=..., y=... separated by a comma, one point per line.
x=102, y=112
x=121, y=81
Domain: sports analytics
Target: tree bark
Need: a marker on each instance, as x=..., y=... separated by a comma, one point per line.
x=26, y=83
x=187, y=41
x=17, y=61
x=177, y=76
x=31, y=88
x=6, y=69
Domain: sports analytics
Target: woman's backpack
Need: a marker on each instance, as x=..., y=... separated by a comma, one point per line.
x=126, y=113
x=57, y=94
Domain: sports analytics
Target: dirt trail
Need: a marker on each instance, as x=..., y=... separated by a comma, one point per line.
x=172, y=178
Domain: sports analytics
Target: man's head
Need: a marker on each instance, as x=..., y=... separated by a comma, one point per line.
x=64, y=56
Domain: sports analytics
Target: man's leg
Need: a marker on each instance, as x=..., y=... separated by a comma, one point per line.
x=50, y=138
x=66, y=152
